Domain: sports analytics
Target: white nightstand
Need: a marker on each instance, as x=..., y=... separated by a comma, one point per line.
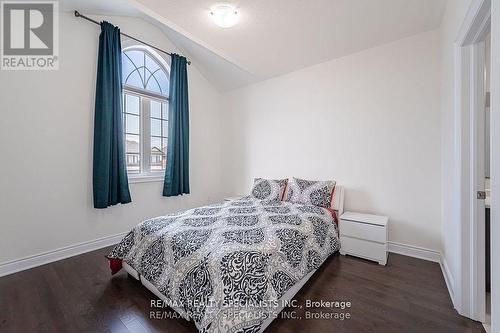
x=364, y=235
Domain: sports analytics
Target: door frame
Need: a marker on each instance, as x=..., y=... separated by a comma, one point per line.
x=469, y=298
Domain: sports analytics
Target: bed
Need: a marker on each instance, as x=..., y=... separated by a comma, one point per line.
x=231, y=266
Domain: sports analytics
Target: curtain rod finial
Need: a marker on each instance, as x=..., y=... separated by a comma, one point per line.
x=77, y=14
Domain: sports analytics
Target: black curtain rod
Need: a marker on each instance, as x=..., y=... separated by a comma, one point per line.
x=77, y=14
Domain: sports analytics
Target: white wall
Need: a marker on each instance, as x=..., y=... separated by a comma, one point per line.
x=370, y=120
x=46, y=148
x=452, y=20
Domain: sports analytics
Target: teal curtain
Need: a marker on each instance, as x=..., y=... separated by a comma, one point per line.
x=177, y=171
x=109, y=171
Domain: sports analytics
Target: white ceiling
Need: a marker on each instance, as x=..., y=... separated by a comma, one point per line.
x=279, y=36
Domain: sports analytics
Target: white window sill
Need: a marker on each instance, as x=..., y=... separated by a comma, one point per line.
x=133, y=179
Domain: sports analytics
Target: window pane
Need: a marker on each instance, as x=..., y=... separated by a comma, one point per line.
x=164, y=125
x=162, y=81
x=153, y=85
x=164, y=145
x=155, y=127
x=135, y=79
x=132, y=103
x=165, y=110
x=133, y=163
x=158, y=149
x=132, y=124
x=132, y=143
x=156, y=154
x=137, y=57
x=157, y=162
x=155, y=144
x=155, y=109
x=151, y=64
x=127, y=67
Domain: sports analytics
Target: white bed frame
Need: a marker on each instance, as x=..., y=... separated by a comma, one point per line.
x=338, y=200
x=337, y=205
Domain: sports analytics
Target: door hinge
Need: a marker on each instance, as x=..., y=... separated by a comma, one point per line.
x=481, y=195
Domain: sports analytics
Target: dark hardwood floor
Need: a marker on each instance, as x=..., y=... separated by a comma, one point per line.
x=79, y=295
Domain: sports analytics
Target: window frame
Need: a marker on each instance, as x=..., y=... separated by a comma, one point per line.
x=145, y=98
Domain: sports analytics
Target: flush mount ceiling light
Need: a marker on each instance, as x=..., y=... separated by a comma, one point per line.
x=224, y=15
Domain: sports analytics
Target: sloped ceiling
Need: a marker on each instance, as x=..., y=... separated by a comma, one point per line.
x=279, y=36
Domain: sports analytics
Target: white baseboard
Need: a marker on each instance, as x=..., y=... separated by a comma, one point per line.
x=426, y=254
x=414, y=251
x=448, y=278
x=22, y=264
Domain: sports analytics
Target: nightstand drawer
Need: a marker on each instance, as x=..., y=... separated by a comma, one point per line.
x=370, y=232
x=364, y=249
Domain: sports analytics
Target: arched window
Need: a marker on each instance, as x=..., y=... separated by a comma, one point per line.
x=145, y=110
x=144, y=72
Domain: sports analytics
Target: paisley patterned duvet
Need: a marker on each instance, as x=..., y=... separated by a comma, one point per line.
x=225, y=266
